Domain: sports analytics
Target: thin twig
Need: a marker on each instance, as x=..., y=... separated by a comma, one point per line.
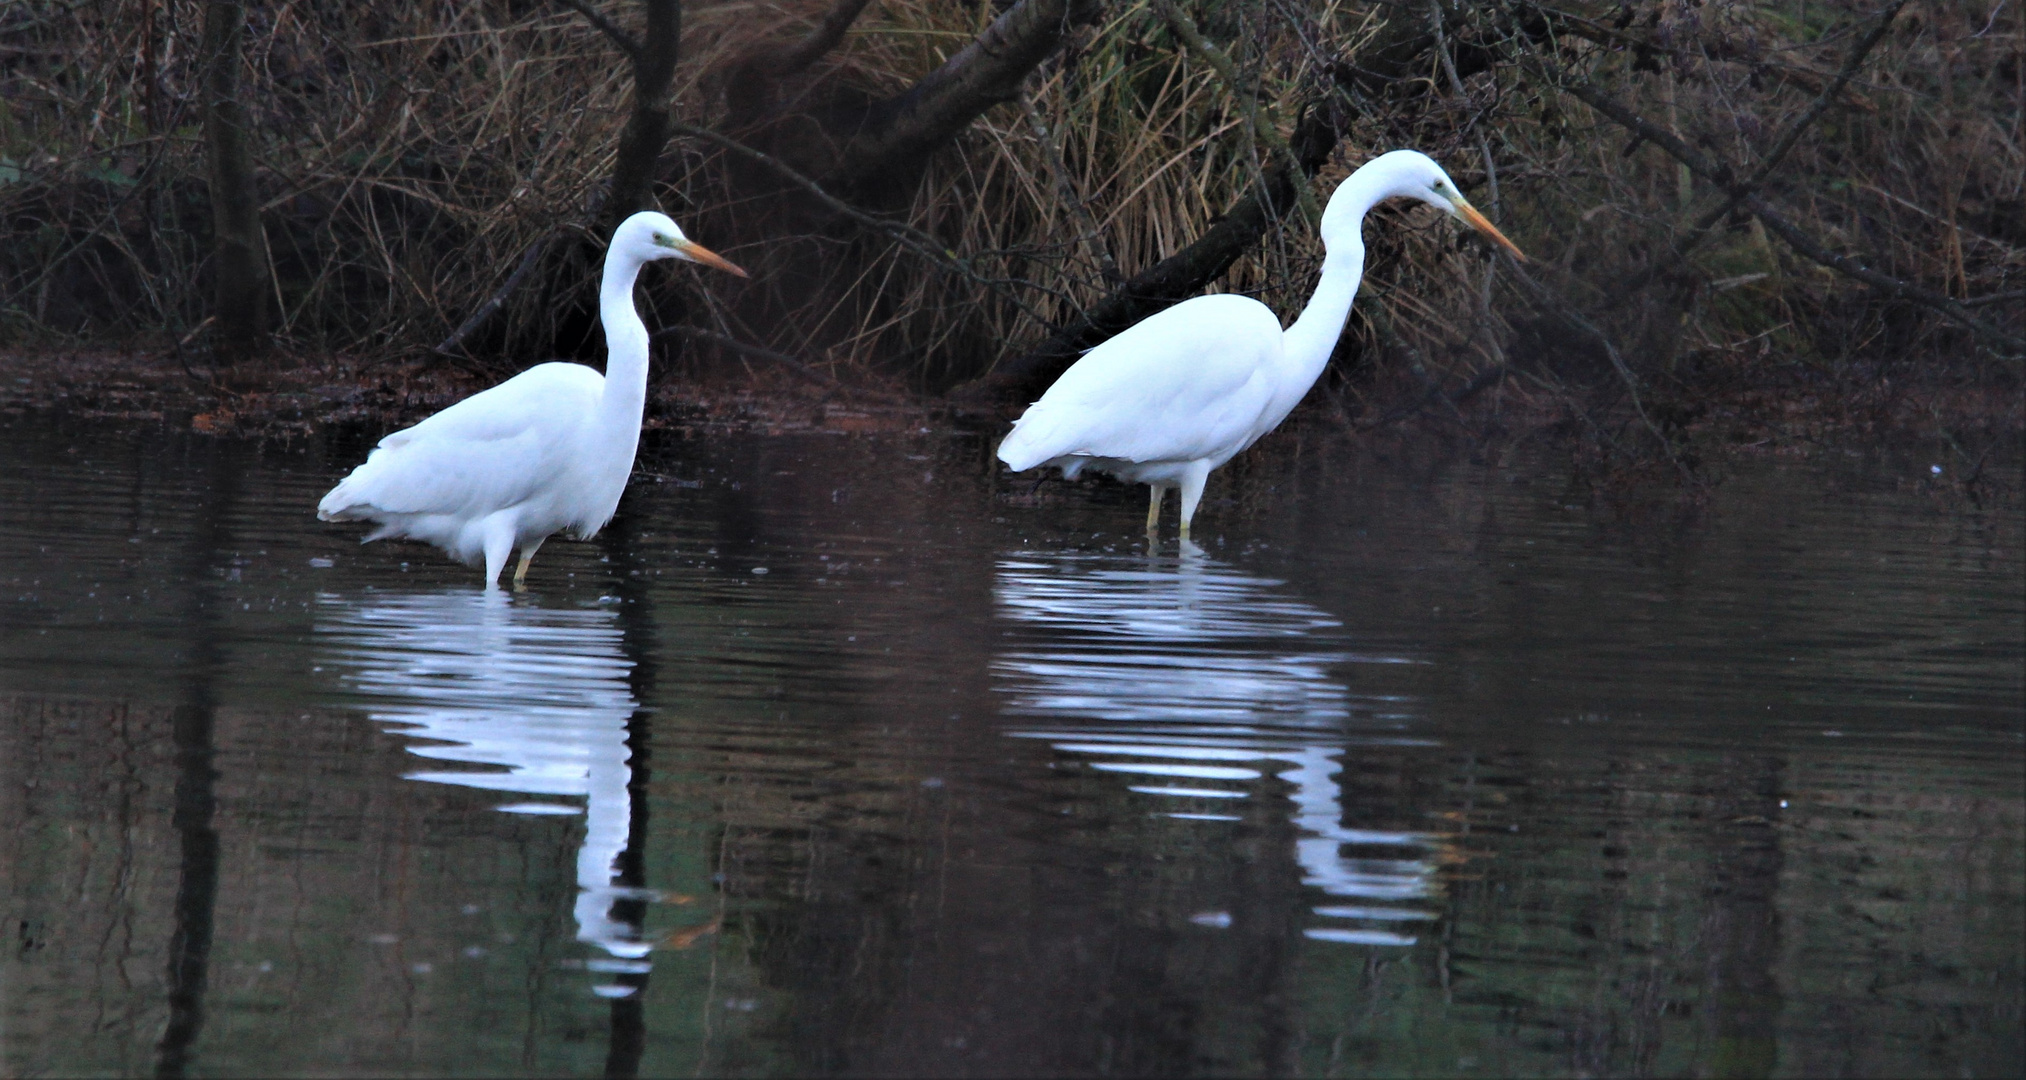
x=1263, y=130
x=626, y=42
x=1737, y=194
x=1088, y=234
x=1795, y=237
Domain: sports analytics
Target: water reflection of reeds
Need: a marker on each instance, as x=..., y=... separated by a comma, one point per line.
x=539, y=695
x=1197, y=683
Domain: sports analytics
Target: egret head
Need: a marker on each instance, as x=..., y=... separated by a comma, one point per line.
x=1410, y=174
x=648, y=236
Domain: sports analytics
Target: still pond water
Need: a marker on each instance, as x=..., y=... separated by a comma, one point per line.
x=839, y=755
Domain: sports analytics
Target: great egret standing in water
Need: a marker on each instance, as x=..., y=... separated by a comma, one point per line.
x=547, y=450
x=1182, y=391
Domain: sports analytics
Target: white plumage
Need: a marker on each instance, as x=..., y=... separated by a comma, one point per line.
x=547, y=451
x=1181, y=392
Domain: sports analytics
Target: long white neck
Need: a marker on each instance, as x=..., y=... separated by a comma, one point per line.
x=625, y=348
x=1306, y=345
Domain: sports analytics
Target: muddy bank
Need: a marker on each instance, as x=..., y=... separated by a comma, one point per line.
x=1711, y=416
x=302, y=394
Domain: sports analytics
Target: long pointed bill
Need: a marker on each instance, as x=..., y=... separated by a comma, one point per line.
x=1482, y=224
x=708, y=257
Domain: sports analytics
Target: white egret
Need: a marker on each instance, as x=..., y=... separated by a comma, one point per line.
x=1182, y=391
x=547, y=450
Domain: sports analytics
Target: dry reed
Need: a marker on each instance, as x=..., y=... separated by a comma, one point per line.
x=412, y=153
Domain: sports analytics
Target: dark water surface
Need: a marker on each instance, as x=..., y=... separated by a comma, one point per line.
x=834, y=756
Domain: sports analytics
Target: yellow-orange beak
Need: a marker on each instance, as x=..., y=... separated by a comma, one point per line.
x=1482, y=224
x=708, y=257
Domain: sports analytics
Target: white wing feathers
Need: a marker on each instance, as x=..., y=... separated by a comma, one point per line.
x=1188, y=383
x=491, y=450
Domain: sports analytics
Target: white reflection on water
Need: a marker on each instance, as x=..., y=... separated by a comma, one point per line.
x=540, y=694
x=1193, y=680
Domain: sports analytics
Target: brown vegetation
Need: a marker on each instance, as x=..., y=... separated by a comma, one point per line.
x=1828, y=193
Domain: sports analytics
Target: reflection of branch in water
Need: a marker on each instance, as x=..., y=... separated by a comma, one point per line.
x=1195, y=678
x=541, y=694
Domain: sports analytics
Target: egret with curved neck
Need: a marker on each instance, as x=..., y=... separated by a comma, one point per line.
x=547, y=451
x=1180, y=392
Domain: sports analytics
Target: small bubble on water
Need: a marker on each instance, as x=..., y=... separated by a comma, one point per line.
x=423, y=968
x=265, y=966
x=1217, y=919
x=1935, y=470
x=473, y=952
x=323, y=564
x=759, y=569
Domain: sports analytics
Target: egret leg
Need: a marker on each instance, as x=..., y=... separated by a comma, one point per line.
x=499, y=547
x=1154, y=492
x=527, y=556
x=1192, y=491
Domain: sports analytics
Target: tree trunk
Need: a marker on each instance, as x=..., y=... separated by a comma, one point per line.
x=646, y=134
x=239, y=252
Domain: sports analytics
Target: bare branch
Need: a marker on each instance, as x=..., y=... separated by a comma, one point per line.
x=1263, y=130
x=987, y=72
x=1737, y=194
x=451, y=346
x=1799, y=240
x=626, y=42
x=1089, y=235
x=1809, y=247
x=819, y=41
x=907, y=235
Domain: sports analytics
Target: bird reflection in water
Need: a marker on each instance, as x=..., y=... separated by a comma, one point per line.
x=540, y=694
x=1192, y=680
